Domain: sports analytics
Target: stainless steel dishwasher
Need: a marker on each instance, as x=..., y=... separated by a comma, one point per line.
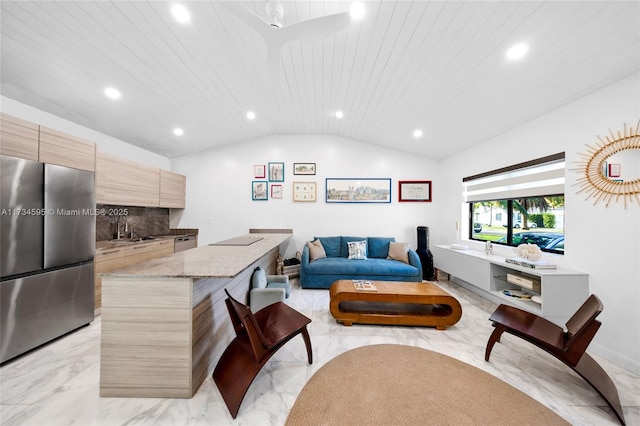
x=185, y=243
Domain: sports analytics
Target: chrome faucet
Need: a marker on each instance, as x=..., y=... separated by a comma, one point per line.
x=118, y=234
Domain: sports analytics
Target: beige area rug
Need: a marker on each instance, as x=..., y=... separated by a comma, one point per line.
x=404, y=385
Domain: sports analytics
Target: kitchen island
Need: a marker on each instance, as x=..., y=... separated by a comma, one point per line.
x=165, y=322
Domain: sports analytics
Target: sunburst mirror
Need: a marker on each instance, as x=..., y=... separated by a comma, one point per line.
x=603, y=165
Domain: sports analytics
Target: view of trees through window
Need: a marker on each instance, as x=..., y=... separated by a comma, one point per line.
x=534, y=220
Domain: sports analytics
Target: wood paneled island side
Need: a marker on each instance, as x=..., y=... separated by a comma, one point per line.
x=165, y=323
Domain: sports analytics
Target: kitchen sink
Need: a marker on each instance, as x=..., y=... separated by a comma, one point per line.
x=131, y=240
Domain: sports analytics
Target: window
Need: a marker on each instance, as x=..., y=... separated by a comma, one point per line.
x=519, y=204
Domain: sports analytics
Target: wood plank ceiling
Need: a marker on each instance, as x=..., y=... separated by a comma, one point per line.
x=434, y=65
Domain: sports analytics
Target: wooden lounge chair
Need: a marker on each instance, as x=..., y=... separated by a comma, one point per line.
x=258, y=337
x=569, y=347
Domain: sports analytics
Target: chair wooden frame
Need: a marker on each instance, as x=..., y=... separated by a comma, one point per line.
x=258, y=337
x=569, y=347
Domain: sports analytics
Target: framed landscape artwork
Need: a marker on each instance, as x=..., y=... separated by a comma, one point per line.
x=259, y=190
x=363, y=190
x=305, y=192
x=414, y=190
x=276, y=172
x=304, y=168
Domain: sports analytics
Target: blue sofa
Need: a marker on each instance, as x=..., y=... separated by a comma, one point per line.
x=321, y=273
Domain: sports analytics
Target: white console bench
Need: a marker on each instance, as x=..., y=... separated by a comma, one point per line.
x=562, y=291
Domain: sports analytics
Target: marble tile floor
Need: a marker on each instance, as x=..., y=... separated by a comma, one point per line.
x=58, y=383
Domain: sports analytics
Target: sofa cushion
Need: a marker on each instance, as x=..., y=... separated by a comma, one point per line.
x=343, y=268
x=331, y=245
x=357, y=250
x=316, y=250
x=378, y=247
x=399, y=251
x=344, y=244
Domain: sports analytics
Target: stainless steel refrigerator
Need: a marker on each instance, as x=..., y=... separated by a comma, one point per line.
x=47, y=248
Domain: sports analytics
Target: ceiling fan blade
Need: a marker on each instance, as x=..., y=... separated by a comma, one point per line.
x=317, y=28
x=247, y=16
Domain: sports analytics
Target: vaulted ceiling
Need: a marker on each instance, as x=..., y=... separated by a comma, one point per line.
x=438, y=66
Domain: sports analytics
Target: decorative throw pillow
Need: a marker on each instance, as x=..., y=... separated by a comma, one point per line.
x=378, y=247
x=316, y=250
x=357, y=250
x=399, y=251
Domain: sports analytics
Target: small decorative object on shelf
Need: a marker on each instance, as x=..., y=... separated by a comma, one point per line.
x=540, y=264
x=516, y=294
x=527, y=282
x=529, y=252
x=488, y=248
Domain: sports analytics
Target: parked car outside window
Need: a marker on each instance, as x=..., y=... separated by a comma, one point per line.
x=544, y=240
x=518, y=224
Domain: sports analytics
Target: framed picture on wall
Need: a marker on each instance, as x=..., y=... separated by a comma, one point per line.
x=363, y=190
x=305, y=192
x=259, y=190
x=614, y=170
x=414, y=190
x=259, y=171
x=304, y=168
x=276, y=191
x=276, y=172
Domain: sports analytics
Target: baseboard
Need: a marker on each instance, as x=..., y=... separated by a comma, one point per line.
x=615, y=358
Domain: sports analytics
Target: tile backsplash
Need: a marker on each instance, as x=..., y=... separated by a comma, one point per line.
x=146, y=221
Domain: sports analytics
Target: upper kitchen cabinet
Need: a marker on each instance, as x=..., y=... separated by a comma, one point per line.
x=18, y=138
x=66, y=150
x=148, y=185
x=120, y=185
x=127, y=183
x=172, y=189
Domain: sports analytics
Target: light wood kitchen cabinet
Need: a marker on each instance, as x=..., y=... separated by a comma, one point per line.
x=108, y=259
x=127, y=183
x=18, y=138
x=120, y=181
x=172, y=189
x=147, y=251
x=147, y=185
x=66, y=150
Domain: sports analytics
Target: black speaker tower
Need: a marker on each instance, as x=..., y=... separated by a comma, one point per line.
x=425, y=255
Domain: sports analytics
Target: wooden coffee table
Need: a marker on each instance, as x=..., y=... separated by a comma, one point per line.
x=399, y=303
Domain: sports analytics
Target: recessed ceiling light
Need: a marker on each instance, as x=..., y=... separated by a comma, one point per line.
x=181, y=13
x=178, y=131
x=517, y=51
x=357, y=10
x=251, y=115
x=339, y=114
x=417, y=133
x=112, y=93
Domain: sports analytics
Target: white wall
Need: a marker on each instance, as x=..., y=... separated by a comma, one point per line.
x=219, y=190
x=105, y=143
x=604, y=242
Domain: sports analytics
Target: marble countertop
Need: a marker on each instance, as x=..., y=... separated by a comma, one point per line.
x=204, y=261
